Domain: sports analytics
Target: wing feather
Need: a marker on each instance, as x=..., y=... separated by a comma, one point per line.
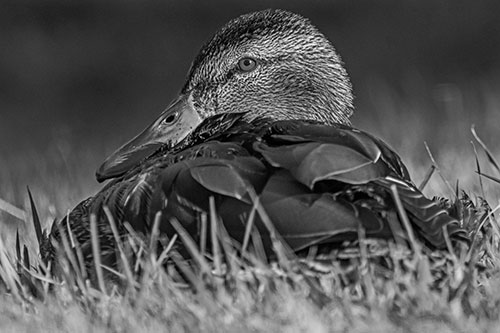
x=319, y=184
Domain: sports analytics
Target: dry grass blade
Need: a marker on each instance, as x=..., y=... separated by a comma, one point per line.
x=404, y=218
x=126, y=265
x=66, y=260
x=282, y=250
x=18, y=251
x=70, y=232
x=203, y=233
x=213, y=236
x=494, y=223
x=478, y=167
x=249, y=226
x=490, y=156
x=47, y=279
x=167, y=249
x=445, y=181
x=427, y=177
x=186, y=270
x=79, y=255
x=495, y=179
x=155, y=233
x=190, y=246
x=96, y=251
x=44, y=271
x=364, y=267
x=36, y=218
x=120, y=275
x=69, y=255
x=449, y=245
x=8, y=273
x=26, y=257
x=229, y=248
x=479, y=225
x=258, y=246
x=138, y=254
x=12, y=210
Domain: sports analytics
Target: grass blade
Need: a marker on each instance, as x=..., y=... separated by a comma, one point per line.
x=79, y=262
x=427, y=177
x=125, y=262
x=96, y=251
x=364, y=266
x=249, y=226
x=404, y=218
x=155, y=233
x=18, y=251
x=490, y=156
x=190, y=246
x=229, y=247
x=12, y=210
x=26, y=257
x=186, y=271
x=258, y=246
x=281, y=248
x=215, y=242
x=438, y=169
x=478, y=168
x=203, y=234
x=166, y=250
x=495, y=179
x=8, y=273
x=36, y=219
x=69, y=257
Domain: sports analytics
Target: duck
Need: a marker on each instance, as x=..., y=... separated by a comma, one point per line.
x=264, y=115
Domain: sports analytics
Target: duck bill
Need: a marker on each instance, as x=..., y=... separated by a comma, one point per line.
x=173, y=125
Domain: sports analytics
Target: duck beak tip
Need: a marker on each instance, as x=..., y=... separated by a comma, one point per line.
x=151, y=139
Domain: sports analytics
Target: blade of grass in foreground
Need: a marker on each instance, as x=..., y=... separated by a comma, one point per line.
x=490, y=156
x=203, y=234
x=8, y=272
x=216, y=254
x=478, y=168
x=249, y=226
x=67, y=256
x=12, y=210
x=36, y=219
x=427, y=177
x=191, y=246
x=404, y=218
x=18, y=251
x=96, y=252
x=125, y=262
x=495, y=179
x=445, y=181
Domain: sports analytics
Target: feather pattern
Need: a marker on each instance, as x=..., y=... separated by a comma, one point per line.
x=319, y=184
x=278, y=131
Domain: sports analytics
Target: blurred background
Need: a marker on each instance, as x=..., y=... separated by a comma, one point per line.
x=78, y=78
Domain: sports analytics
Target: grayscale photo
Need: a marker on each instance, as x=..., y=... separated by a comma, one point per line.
x=263, y=166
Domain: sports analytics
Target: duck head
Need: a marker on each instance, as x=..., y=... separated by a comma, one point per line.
x=272, y=64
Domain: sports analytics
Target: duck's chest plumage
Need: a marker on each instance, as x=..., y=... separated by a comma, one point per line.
x=317, y=184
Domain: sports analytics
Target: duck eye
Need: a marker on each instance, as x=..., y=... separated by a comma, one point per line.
x=247, y=64
x=171, y=118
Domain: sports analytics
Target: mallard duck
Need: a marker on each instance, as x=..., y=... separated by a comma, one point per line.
x=264, y=113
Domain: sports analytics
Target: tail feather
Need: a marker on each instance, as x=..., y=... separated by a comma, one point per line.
x=428, y=216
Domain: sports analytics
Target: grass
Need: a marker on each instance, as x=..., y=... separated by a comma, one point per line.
x=370, y=287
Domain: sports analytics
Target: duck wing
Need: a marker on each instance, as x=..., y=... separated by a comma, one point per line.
x=317, y=183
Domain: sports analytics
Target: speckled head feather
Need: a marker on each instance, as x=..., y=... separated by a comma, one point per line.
x=294, y=73
x=299, y=75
